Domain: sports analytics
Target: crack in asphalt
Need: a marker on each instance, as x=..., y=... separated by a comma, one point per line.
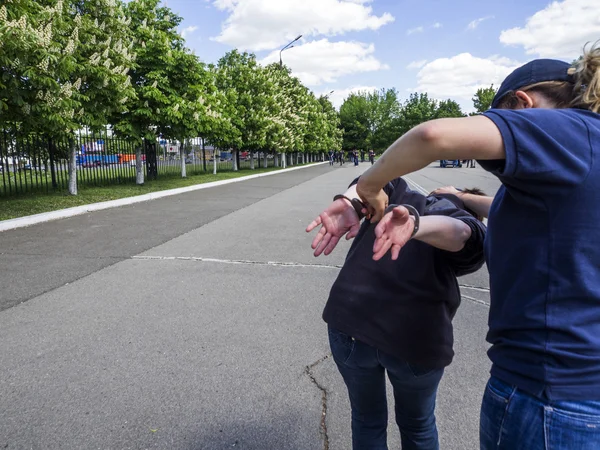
x=235, y=261
x=309, y=371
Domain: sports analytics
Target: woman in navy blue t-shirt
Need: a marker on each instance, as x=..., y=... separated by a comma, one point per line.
x=542, y=140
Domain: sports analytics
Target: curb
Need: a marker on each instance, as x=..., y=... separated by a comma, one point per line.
x=26, y=221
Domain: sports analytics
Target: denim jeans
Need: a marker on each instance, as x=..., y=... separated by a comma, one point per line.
x=363, y=369
x=514, y=420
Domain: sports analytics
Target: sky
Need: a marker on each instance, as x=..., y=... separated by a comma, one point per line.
x=447, y=48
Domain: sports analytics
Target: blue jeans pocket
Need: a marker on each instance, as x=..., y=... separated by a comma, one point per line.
x=494, y=409
x=499, y=389
x=568, y=428
x=341, y=346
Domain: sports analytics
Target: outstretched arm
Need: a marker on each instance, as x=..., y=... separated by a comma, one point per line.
x=479, y=204
x=396, y=228
x=474, y=137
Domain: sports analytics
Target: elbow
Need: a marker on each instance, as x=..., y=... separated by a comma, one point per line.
x=434, y=138
x=463, y=233
x=431, y=134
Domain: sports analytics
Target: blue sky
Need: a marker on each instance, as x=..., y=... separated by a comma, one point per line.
x=446, y=48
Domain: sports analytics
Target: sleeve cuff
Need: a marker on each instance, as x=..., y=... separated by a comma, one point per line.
x=509, y=166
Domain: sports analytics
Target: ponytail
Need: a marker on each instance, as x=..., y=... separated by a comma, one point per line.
x=586, y=72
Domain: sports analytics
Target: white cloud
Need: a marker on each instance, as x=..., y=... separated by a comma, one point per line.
x=414, y=30
x=417, y=64
x=437, y=25
x=475, y=23
x=188, y=30
x=267, y=24
x=339, y=95
x=558, y=31
x=459, y=77
x=323, y=61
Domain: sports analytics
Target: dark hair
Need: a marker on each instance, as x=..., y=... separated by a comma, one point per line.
x=474, y=191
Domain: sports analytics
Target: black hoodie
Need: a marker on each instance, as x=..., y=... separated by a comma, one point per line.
x=405, y=307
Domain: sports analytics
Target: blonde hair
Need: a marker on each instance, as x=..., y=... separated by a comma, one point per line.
x=583, y=92
x=586, y=72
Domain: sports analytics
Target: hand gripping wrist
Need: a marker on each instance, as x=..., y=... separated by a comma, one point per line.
x=356, y=204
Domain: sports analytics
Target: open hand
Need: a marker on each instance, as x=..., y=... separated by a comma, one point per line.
x=393, y=232
x=337, y=220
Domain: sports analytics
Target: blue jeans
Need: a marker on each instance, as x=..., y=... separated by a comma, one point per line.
x=363, y=368
x=514, y=420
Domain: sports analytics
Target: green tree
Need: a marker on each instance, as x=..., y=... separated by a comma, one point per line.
x=355, y=120
x=448, y=108
x=384, y=119
x=417, y=109
x=482, y=101
x=244, y=83
x=64, y=67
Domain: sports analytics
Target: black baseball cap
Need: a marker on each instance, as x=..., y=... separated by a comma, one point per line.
x=536, y=71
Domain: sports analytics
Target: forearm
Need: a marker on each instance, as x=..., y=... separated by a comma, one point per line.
x=462, y=138
x=445, y=233
x=351, y=192
x=479, y=204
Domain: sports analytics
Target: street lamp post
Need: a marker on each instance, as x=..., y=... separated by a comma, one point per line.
x=287, y=47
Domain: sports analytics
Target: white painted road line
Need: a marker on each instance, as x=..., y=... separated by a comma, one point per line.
x=416, y=186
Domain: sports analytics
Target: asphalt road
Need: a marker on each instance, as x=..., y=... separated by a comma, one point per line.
x=193, y=322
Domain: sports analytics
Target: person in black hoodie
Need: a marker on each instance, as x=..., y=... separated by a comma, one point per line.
x=396, y=315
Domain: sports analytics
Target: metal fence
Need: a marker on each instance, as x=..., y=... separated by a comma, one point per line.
x=33, y=163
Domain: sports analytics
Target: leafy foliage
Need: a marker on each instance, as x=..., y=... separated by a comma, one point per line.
x=482, y=101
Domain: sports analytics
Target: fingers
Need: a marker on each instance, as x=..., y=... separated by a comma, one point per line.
x=382, y=226
x=332, y=243
x=396, y=251
x=323, y=244
x=314, y=224
x=384, y=246
x=320, y=235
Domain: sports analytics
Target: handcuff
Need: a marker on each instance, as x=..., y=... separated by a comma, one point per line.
x=413, y=212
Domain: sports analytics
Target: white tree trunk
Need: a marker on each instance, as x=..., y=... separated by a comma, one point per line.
x=214, y=161
x=182, y=156
x=252, y=160
x=73, y=169
x=139, y=169
x=283, y=160
x=234, y=160
x=276, y=159
x=266, y=161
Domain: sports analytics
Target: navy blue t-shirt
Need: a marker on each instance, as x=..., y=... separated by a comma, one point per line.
x=543, y=253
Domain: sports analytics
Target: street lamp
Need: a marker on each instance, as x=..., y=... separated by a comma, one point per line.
x=287, y=47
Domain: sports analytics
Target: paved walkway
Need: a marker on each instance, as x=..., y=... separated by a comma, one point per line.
x=193, y=322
